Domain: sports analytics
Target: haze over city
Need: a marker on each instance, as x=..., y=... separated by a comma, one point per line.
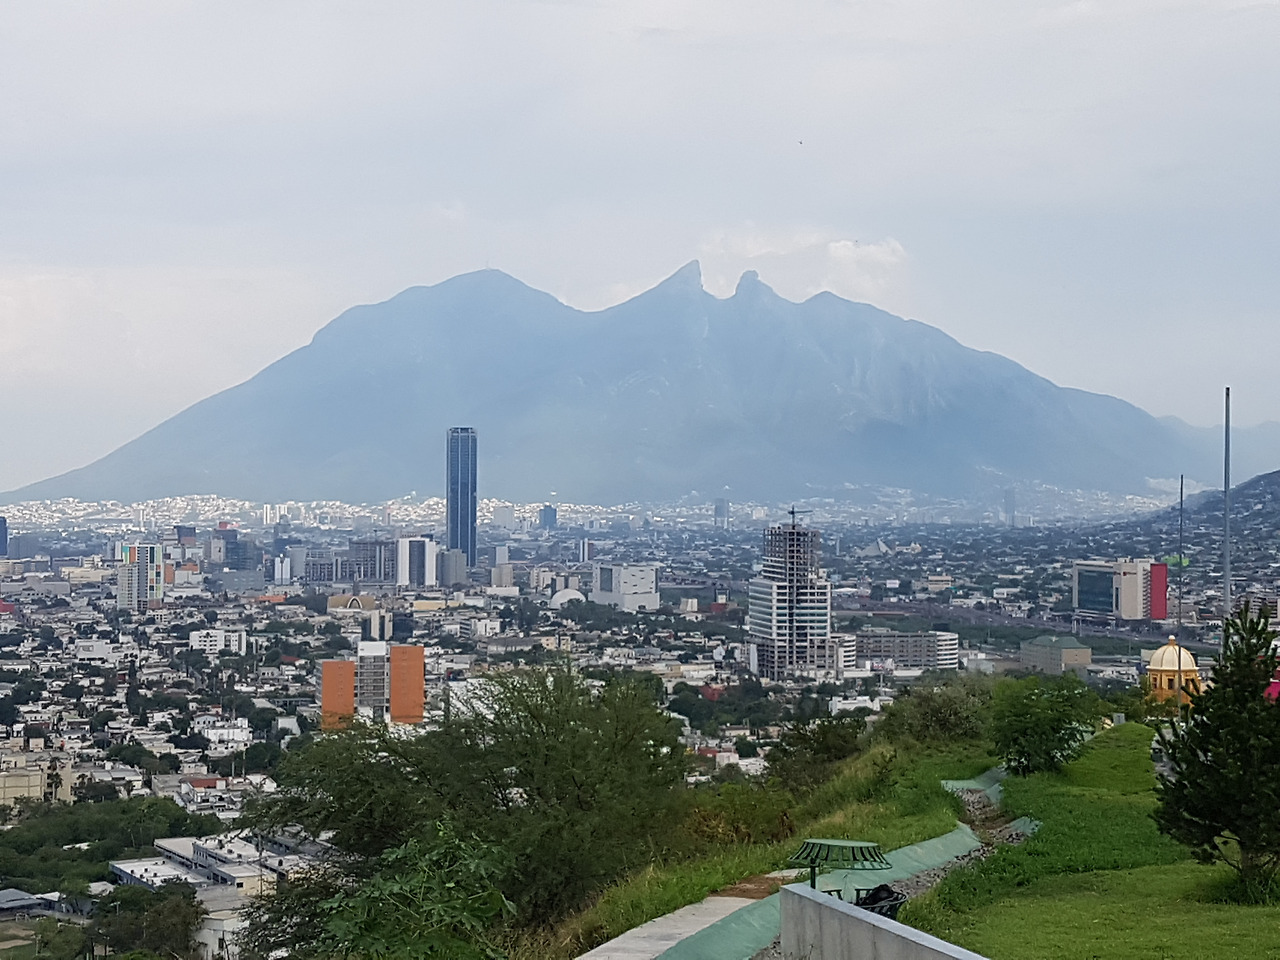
x=577, y=480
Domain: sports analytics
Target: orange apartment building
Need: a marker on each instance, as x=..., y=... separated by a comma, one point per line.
x=384, y=682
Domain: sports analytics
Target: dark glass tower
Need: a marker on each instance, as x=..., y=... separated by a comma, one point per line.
x=461, y=494
x=4, y=537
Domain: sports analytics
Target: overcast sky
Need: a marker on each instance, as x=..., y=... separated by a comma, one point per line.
x=188, y=191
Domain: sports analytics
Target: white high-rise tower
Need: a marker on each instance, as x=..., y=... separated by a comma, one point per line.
x=789, y=620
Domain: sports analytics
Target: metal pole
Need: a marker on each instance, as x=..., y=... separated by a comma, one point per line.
x=1226, y=518
x=1181, y=562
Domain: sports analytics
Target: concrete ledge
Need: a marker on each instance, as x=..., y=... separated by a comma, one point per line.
x=817, y=926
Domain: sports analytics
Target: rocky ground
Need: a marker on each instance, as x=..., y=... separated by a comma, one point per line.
x=993, y=828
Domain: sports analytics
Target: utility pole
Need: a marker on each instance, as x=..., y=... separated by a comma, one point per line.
x=1181, y=560
x=1226, y=518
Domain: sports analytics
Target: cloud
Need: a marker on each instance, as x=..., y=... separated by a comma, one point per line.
x=800, y=262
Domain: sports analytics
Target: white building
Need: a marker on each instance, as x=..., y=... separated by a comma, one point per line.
x=140, y=577
x=214, y=641
x=926, y=650
x=789, y=612
x=628, y=586
x=416, y=562
x=224, y=735
x=1125, y=589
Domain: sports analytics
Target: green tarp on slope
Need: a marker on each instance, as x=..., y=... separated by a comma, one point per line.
x=749, y=930
x=989, y=783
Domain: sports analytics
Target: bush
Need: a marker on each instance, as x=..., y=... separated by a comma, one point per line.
x=808, y=749
x=740, y=813
x=1039, y=725
x=956, y=709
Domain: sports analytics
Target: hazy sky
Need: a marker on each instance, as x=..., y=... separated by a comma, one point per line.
x=188, y=191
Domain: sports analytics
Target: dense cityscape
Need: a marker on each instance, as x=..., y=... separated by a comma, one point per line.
x=179, y=648
x=601, y=481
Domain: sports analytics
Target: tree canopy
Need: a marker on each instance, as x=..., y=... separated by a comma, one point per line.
x=1222, y=790
x=573, y=783
x=1040, y=724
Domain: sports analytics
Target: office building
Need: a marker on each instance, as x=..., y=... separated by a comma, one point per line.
x=923, y=650
x=140, y=577
x=789, y=615
x=24, y=545
x=371, y=561
x=453, y=569
x=502, y=575
x=547, y=517
x=720, y=518
x=460, y=495
x=1055, y=656
x=1122, y=590
x=628, y=586
x=504, y=515
x=416, y=562
x=4, y=537
x=384, y=683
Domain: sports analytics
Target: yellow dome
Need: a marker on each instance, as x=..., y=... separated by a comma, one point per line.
x=1173, y=658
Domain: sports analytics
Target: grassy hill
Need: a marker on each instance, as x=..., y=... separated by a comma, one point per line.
x=1097, y=880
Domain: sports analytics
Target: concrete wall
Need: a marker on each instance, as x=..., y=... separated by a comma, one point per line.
x=817, y=926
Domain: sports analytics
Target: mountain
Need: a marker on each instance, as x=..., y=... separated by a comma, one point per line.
x=671, y=392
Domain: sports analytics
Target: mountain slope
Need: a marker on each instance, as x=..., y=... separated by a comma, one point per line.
x=671, y=392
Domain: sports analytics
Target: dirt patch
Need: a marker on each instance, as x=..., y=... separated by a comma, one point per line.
x=752, y=888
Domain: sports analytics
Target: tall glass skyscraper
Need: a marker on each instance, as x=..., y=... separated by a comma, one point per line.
x=460, y=513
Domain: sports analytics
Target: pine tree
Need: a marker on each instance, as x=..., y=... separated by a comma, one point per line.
x=1222, y=795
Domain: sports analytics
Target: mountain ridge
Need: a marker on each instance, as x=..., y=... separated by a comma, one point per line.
x=672, y=391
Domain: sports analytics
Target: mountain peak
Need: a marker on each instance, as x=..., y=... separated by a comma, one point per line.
x=688, y=277
x=750, y=285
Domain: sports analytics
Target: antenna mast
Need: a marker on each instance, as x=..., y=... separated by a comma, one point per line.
x=1181, y=528
x=1226, y=517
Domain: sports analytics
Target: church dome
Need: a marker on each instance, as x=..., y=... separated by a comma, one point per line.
x=1172, y=658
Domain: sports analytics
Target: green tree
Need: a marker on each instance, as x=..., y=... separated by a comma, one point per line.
x=1219, y=797
x=577, y=785
x=435, y=897
x=261, y=718
x=956, y=708
x=808, y=749
x=1038, y=724
x=59, y=941
x=162, y=922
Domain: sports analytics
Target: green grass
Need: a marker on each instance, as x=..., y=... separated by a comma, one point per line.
x=1148, y=913
x=891, y=798
x=1096, y=815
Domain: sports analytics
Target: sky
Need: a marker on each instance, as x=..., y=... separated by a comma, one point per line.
x=188, y=191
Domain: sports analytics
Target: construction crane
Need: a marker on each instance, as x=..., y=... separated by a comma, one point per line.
x=793, y=512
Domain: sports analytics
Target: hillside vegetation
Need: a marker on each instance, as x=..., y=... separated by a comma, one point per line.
x=1098, y=880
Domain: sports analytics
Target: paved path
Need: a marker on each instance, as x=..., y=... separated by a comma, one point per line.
x=653, y=938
